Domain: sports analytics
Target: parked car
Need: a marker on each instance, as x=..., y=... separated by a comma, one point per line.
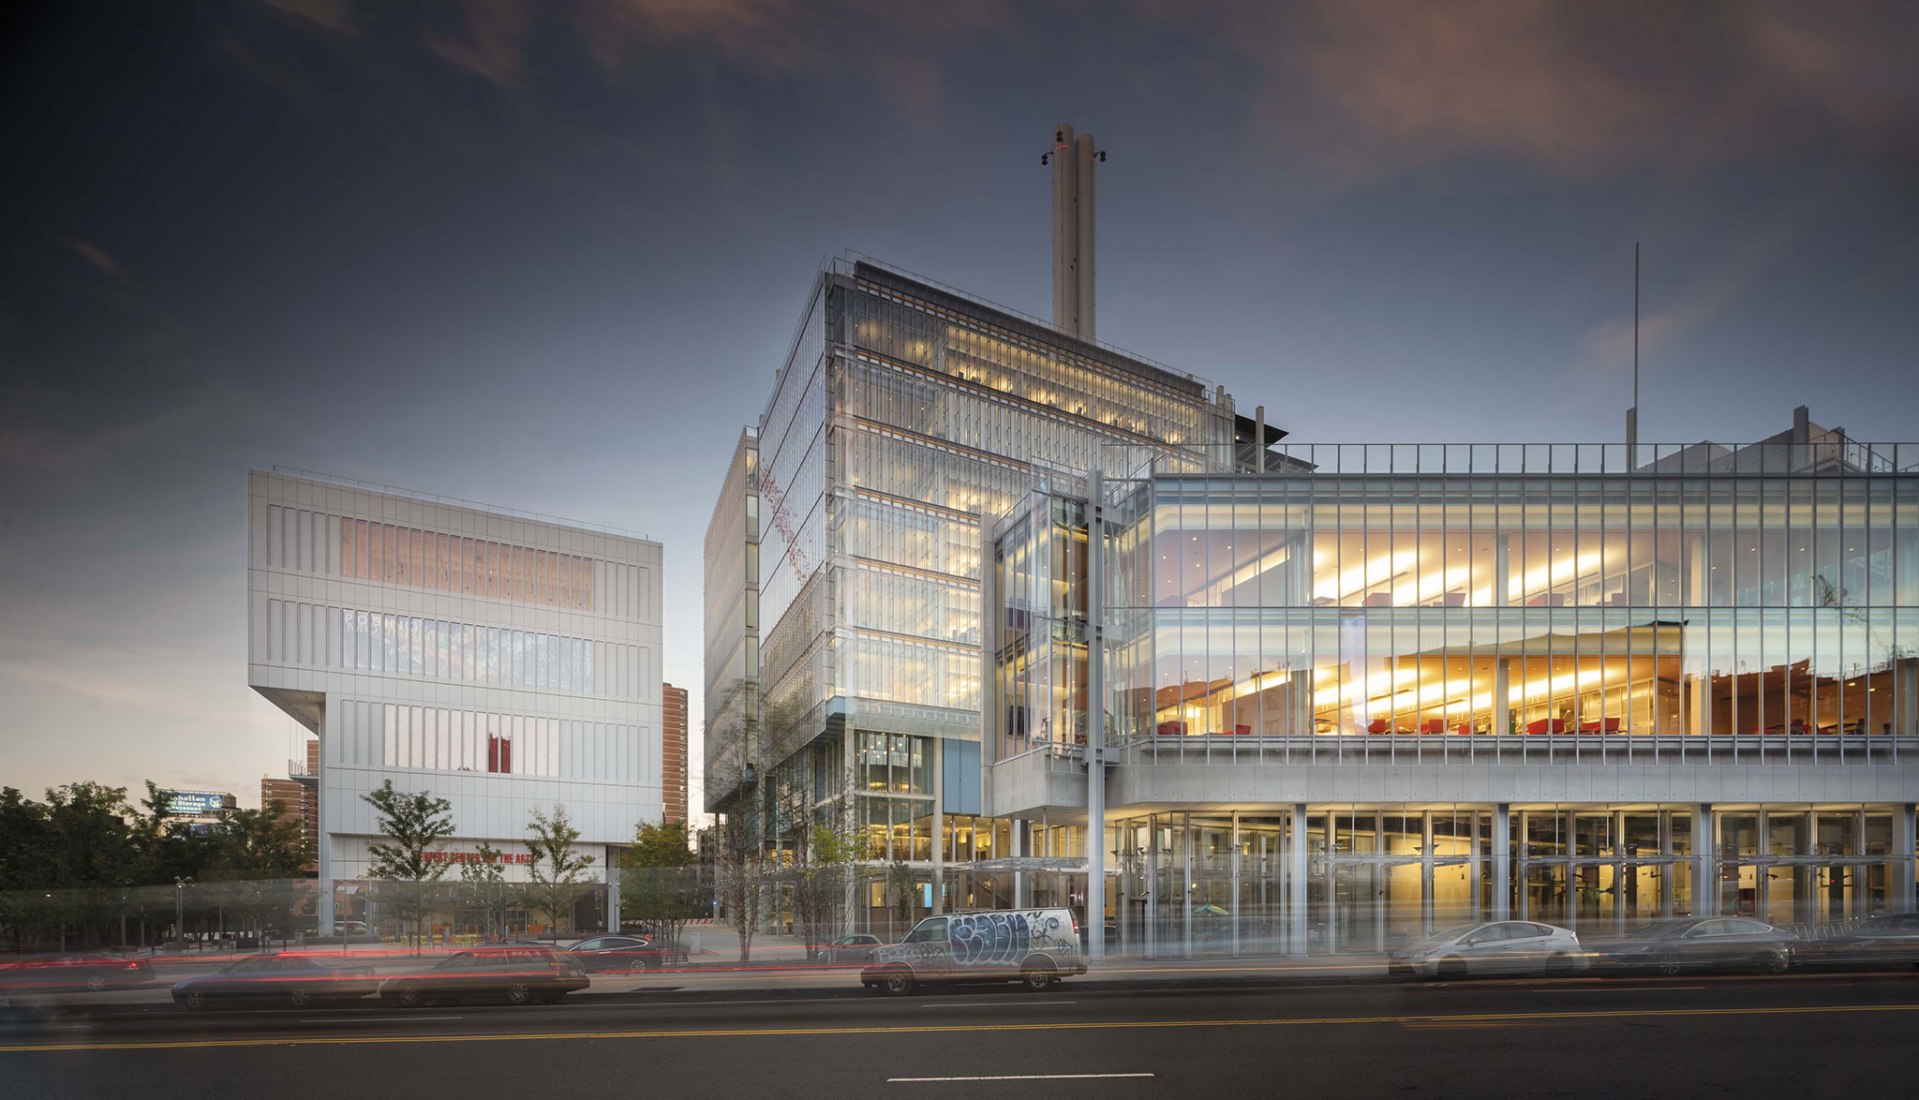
x=1491, y=947
x=299, y=981
x=517, y=974
x=1034, y=946
x=1882, y=941
x=349, y=928
x=1701, y=943
x=634, y=953
x=852, y=949
x=93, y=971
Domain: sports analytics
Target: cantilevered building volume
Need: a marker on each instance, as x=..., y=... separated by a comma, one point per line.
x=503, y=662
x=1397, y=685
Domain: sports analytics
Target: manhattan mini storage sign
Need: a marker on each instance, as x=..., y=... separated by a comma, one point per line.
x=196, y=803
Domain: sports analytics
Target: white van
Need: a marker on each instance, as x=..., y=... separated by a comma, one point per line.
x=1034, y=946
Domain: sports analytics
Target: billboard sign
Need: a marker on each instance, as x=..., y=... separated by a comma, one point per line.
x=196, y=803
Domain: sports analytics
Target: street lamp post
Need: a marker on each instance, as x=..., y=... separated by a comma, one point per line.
x=180, y=907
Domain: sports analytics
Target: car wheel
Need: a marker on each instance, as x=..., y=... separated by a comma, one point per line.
x=1667, y=964
x=1037, y=977
x=897, y=983
x=195, y=999
x=1774, y=962
x=636, y=965
x=519, y=995
x=1452, y=969
x=300, y=998
x=409, y=998
x=96, y=983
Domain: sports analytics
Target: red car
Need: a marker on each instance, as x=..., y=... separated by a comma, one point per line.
x=93, y=971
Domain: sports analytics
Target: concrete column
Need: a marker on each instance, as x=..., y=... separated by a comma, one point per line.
x=1668, y=872
x=1152, y=886
x=1426, y=875
x=1095, y=696
x=1705, y=869
x=1475, y=868
x=1620, y=872
x=1856, y=874
x=323, y=843
x=1502, y=862
x=1237, y=907
x=1022, y=847
x=1186, y=881
x=1523, y=902
x=1903, y=834
x=1297, y=905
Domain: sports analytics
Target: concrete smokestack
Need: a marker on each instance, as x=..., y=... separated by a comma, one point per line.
x=1072, y=158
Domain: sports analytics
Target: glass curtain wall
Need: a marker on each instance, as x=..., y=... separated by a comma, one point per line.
x=1339, y=605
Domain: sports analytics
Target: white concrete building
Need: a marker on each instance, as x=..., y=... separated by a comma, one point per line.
x=500, y=661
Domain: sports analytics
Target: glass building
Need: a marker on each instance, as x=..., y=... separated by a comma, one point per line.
x=732, y=625
x=904, y=413
x=1376, y=688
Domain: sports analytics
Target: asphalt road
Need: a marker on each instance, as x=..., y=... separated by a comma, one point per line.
x=1797, y=1035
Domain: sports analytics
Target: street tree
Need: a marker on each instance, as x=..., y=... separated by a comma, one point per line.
x=414, y=824
x=741, y=878
x=660, y=881
x=557, y=869
x=484, y=883
x=819, y=861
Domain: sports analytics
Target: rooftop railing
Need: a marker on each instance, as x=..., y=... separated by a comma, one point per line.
x=1829, y=454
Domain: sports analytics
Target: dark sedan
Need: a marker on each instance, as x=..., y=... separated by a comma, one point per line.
x=296, y=981
x=93, y=971
x=516, y=975
x=852, y=949
x=632, y=953
x=1881, y=941
x=1705, y=943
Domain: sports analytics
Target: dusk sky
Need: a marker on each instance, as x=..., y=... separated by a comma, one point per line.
x=547, y=257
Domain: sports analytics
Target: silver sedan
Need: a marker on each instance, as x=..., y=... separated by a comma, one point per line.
x=1492, y=947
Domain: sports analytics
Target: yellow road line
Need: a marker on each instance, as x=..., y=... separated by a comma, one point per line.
x=1456, y=1019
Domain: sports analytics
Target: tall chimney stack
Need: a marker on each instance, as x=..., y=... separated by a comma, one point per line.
x=1073, y=158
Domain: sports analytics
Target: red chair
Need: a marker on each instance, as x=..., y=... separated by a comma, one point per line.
x=1379, y=599
x=1433, y=725
x=1172, y=729
x=1464, y=729
x=1547, y=725
x=1377, y=725
x=1242, y=730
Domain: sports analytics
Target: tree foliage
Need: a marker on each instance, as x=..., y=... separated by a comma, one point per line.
x=485, y=888
x=557, y=869
x=80, y=867
x=818, y=864
x=413, y=824
x=741, y=877
x=660, y=881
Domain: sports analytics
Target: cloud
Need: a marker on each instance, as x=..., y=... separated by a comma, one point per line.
x=1357, y=89
x=490, y=41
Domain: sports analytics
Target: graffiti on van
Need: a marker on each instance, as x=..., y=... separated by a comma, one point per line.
x=984, y=938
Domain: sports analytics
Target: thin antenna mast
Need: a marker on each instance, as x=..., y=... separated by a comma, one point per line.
x=1632, y=414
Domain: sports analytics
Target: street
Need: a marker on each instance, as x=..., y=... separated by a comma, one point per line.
x=1798, y=1035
